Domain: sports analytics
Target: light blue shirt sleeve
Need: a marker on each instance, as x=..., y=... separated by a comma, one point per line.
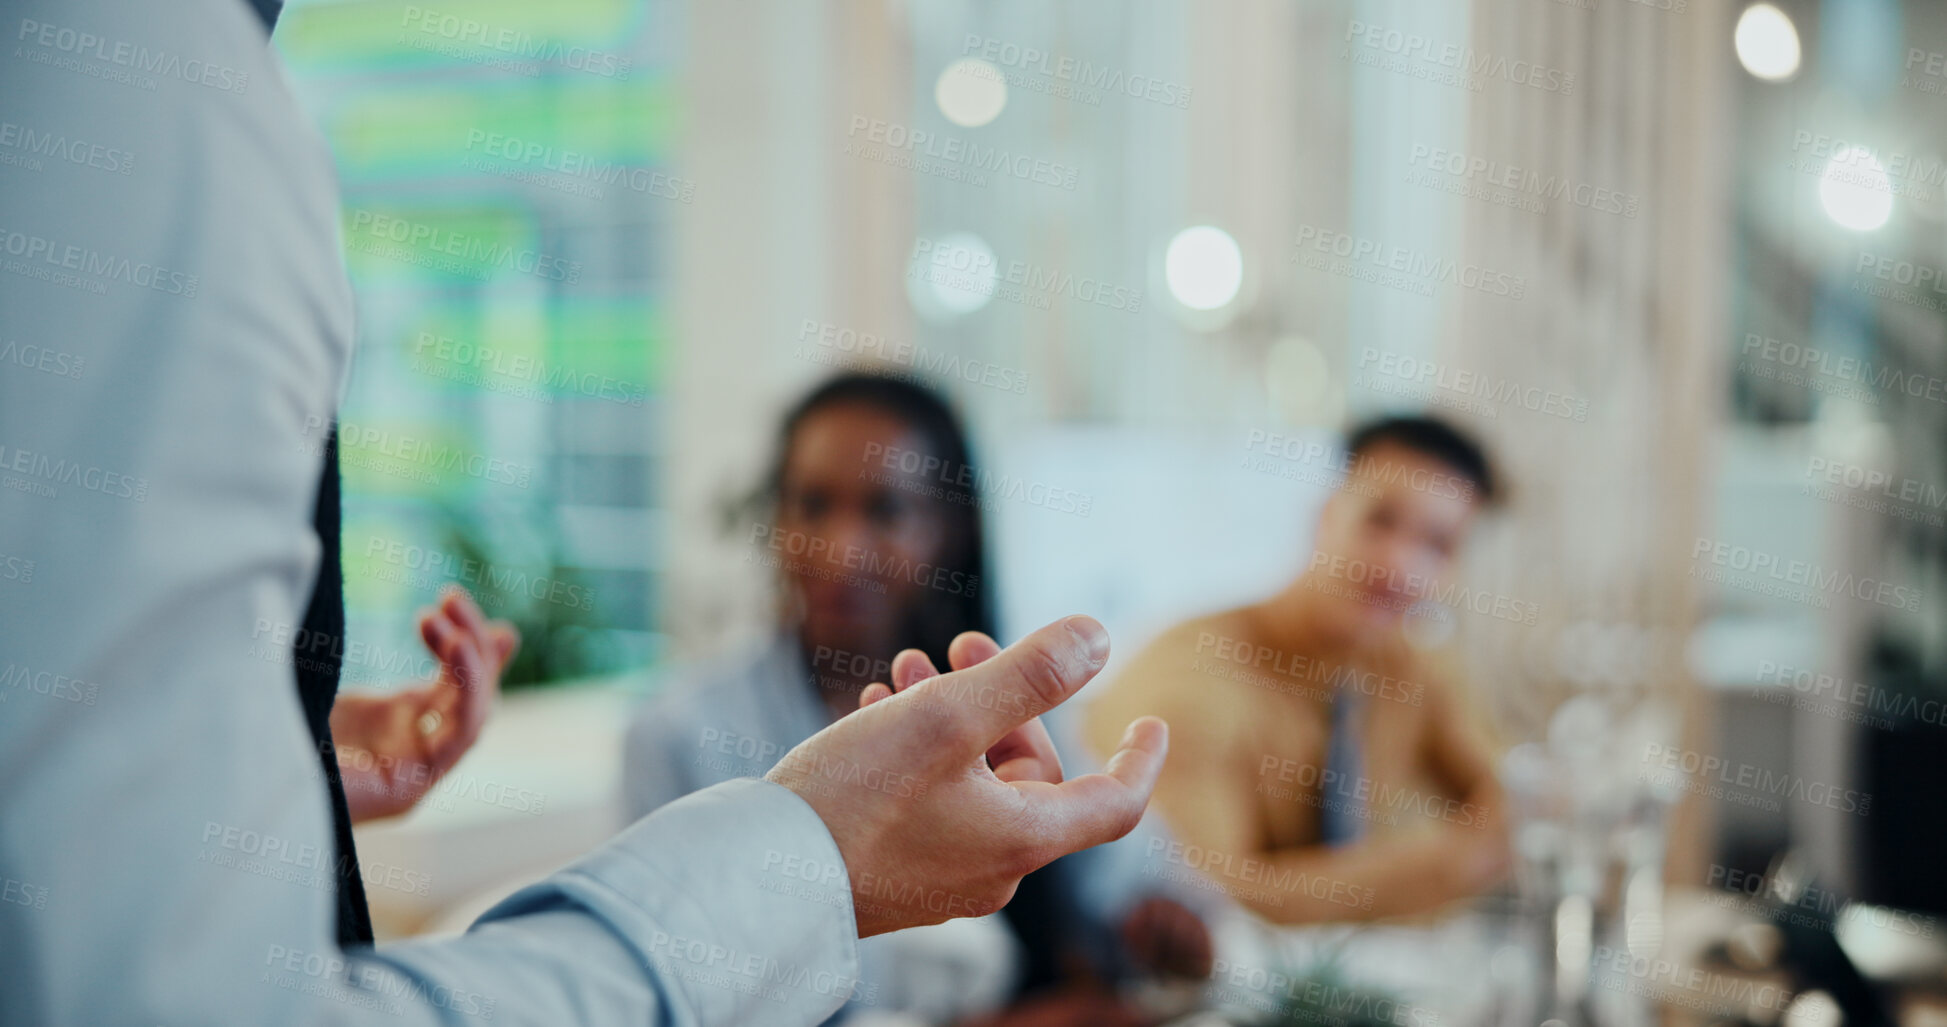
x=174, y=327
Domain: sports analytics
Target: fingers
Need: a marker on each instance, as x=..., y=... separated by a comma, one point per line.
x=983, y=703
x=506, y=641
x=970, y=648
x=461, y=694
x=1098, y=808
x=465, y=690
x=457, y=603
x=498, y=639
x=910, y=668
x=1026, y=753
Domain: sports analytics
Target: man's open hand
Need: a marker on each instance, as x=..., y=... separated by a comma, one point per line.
x=393, y=748
x=969, y=796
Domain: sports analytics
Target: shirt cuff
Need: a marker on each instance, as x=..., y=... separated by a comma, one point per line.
x=737, y=899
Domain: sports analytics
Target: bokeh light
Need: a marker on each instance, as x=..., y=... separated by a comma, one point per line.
x=1204, y=267
x=1855, y=189
x=1767, y=43
x=971, y=92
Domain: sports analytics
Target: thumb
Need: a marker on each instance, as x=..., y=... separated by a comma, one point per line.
x=1099, y=808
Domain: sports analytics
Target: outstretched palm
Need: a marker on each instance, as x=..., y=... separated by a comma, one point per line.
x=393, y=747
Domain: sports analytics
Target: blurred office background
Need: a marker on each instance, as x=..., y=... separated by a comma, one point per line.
x=1678, y=262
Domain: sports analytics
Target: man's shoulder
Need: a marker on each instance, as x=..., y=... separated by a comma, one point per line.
x=1438, y=676
x=1171, y=676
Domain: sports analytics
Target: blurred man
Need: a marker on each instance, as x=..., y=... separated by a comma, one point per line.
x=1325, y=769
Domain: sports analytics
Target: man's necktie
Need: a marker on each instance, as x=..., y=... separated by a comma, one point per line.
x=1342, y=817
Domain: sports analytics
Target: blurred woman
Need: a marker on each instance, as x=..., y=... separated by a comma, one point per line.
x=871, y=518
